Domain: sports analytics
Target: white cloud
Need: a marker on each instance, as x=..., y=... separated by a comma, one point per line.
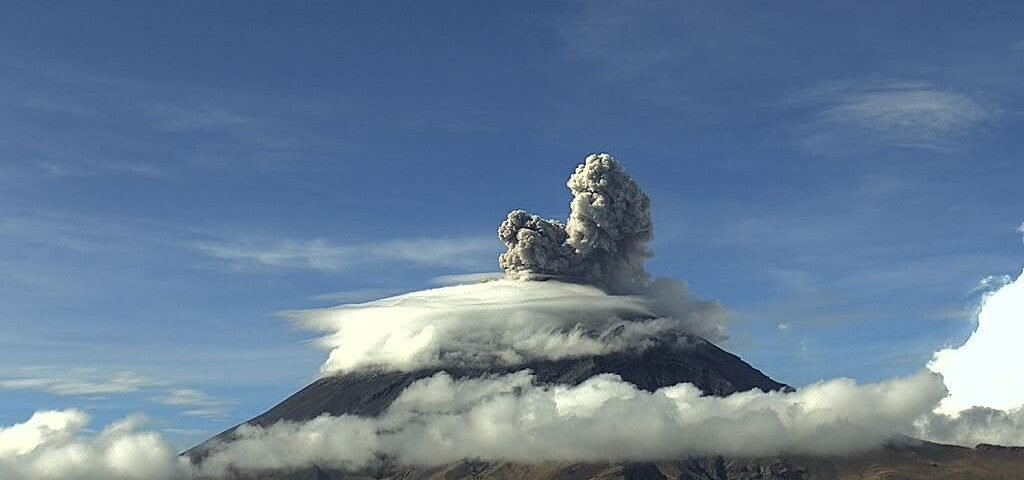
x=991, y=283
x=464, y=278
x=440, y=420
x=207, y=117
x=43, y=427
x=973, y=426
x=89, y=383
x=321, y=255
x=502, y=321
x=986, y=392
x=200, y=404
x=909, y=114
x=356, y=295
x=185, y=396
x=50, y=446
x=82, y=384
x=985, y=370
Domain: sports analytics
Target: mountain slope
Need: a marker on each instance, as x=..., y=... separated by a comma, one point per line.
x=682, y=359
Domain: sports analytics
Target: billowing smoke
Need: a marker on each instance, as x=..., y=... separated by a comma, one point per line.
x=604, y=243
x=537, y=247
x=52, y=445
x=440, y=420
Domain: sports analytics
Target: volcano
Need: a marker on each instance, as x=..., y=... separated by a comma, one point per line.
x=680, y=359
x=684, y=358
x=603, y=246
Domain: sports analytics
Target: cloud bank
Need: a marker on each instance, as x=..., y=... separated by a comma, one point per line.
x=440, y=420
x=973, y=426
x=51, y=445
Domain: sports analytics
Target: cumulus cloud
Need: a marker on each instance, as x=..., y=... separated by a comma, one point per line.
x=973, y=426
x=605, y=240
x=51, y=445
x=440, y=419
x=512, y=417
x=985, y=370
x=986, y=392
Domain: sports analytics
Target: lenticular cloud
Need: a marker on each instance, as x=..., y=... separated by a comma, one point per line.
x=502, y=322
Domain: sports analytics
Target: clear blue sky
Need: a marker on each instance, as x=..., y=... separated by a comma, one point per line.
x=174, y=173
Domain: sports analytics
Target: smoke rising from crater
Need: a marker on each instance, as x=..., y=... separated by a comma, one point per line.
x=604, y=242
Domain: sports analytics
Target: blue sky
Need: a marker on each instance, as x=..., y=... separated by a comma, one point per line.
x=172, y=174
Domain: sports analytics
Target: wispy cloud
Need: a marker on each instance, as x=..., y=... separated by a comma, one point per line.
x=907, y=114
x=356, y=295
x=460, y=279
x=615, y=36
x=324, y=256
x=81, y=384
x=197, y=403
x=94, y=383
x=203, y=117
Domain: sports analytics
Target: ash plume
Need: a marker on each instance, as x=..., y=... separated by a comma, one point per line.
x=535, y=247
x=604, y=242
